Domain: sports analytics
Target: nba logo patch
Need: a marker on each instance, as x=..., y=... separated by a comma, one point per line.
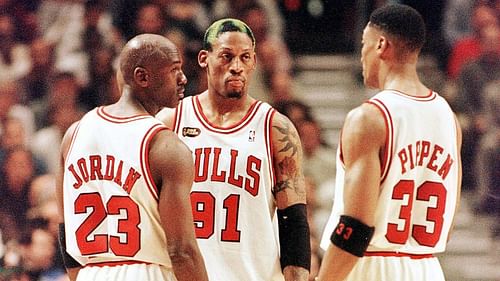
x=251, y=136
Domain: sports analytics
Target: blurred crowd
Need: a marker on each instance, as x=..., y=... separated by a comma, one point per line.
x=57, y=61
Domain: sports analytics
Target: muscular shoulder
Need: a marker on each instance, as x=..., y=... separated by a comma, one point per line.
x=284, y=134
x=66, y=140
x=168, y=154
x=364, y=119
x=167, y=116
x=364, y=128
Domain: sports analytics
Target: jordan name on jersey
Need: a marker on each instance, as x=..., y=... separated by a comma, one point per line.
x=97, y=167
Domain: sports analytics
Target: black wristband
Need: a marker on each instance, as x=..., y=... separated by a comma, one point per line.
x=69, y=261
x=295, y=243
x=351, y=235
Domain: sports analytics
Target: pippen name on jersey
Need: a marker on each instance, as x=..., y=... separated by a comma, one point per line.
x=425, y=153
x=210, y=165
x=85, y=170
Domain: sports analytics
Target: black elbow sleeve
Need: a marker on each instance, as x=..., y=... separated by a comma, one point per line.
x=295, y=242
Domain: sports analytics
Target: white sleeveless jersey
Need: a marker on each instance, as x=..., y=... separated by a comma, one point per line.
x=110, y=201
x=233, y=206
x=419, y=181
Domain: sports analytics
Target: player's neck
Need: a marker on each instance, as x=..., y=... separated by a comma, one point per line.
x=128, y=105
x=404, y=78
x=224, y=111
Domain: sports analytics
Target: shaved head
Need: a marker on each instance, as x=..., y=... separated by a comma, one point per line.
x=148, y=51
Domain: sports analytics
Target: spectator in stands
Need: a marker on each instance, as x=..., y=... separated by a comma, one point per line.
x=16, y=170
x=150, y=19
x=188, y=16
x=469, y=48
x=236, y=8
x=24, y=16
x=36, y=83
x=64, y=92
x=457, y=20
x=87, y=32
x=469, y=102
x=488, y=153
x=275, y=65
x=39, y=255
x=42, y=189
x=186, y=21
x=15, y=61
x=11, y=107
x=123, y=14
x=45, y=142
x=101, y=73
x=13, y=135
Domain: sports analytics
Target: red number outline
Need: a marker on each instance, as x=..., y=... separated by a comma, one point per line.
x=425, y=192
x=103, y=242
x=204, y=217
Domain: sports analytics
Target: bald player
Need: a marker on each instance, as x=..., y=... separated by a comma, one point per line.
x=125, y=179
x=248, y=168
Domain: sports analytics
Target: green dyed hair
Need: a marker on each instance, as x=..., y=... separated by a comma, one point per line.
x=225, y=25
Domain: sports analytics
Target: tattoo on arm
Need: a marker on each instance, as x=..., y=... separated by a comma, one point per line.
x=287, y=166
x=287, y=139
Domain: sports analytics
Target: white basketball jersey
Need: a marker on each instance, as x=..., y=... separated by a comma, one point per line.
x=419, y=180
x=110, y=200
x=232, y=200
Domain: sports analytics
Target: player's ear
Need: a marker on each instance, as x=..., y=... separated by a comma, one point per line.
x=382, y=45
x=202, y=58
x=141, y=76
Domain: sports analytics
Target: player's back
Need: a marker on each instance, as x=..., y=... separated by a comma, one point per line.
x=418, y=190
x=420, y=172
x=110, y=201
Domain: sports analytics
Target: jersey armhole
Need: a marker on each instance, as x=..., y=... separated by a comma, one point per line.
x=145, y=146
x=389, y=137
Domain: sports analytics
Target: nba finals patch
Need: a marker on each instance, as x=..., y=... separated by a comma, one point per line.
x=190, y=132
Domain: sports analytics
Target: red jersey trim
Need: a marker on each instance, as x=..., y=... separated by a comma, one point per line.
x=144, y=158
x=114, y=119
x=269, y=143
x=340, y=155
x=178, y=117
x=399, y=255
x=72, y=142
x=115, y=263
x=387, y=157
x=252, y=111
x=431, y=96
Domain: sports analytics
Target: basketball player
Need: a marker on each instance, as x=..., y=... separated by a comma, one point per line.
x=125, y=179
x=399, y=172
x=247, y=163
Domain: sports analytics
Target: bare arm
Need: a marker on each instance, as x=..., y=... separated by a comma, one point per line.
x=363, y=138
x=459, y=187
x=290, y=184
x=72, y=272
x=173, y=170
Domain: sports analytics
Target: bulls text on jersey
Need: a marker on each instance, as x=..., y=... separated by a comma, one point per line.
x=211, y=155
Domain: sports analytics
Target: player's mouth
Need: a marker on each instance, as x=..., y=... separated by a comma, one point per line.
x=180, y=93
x=236, y=82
